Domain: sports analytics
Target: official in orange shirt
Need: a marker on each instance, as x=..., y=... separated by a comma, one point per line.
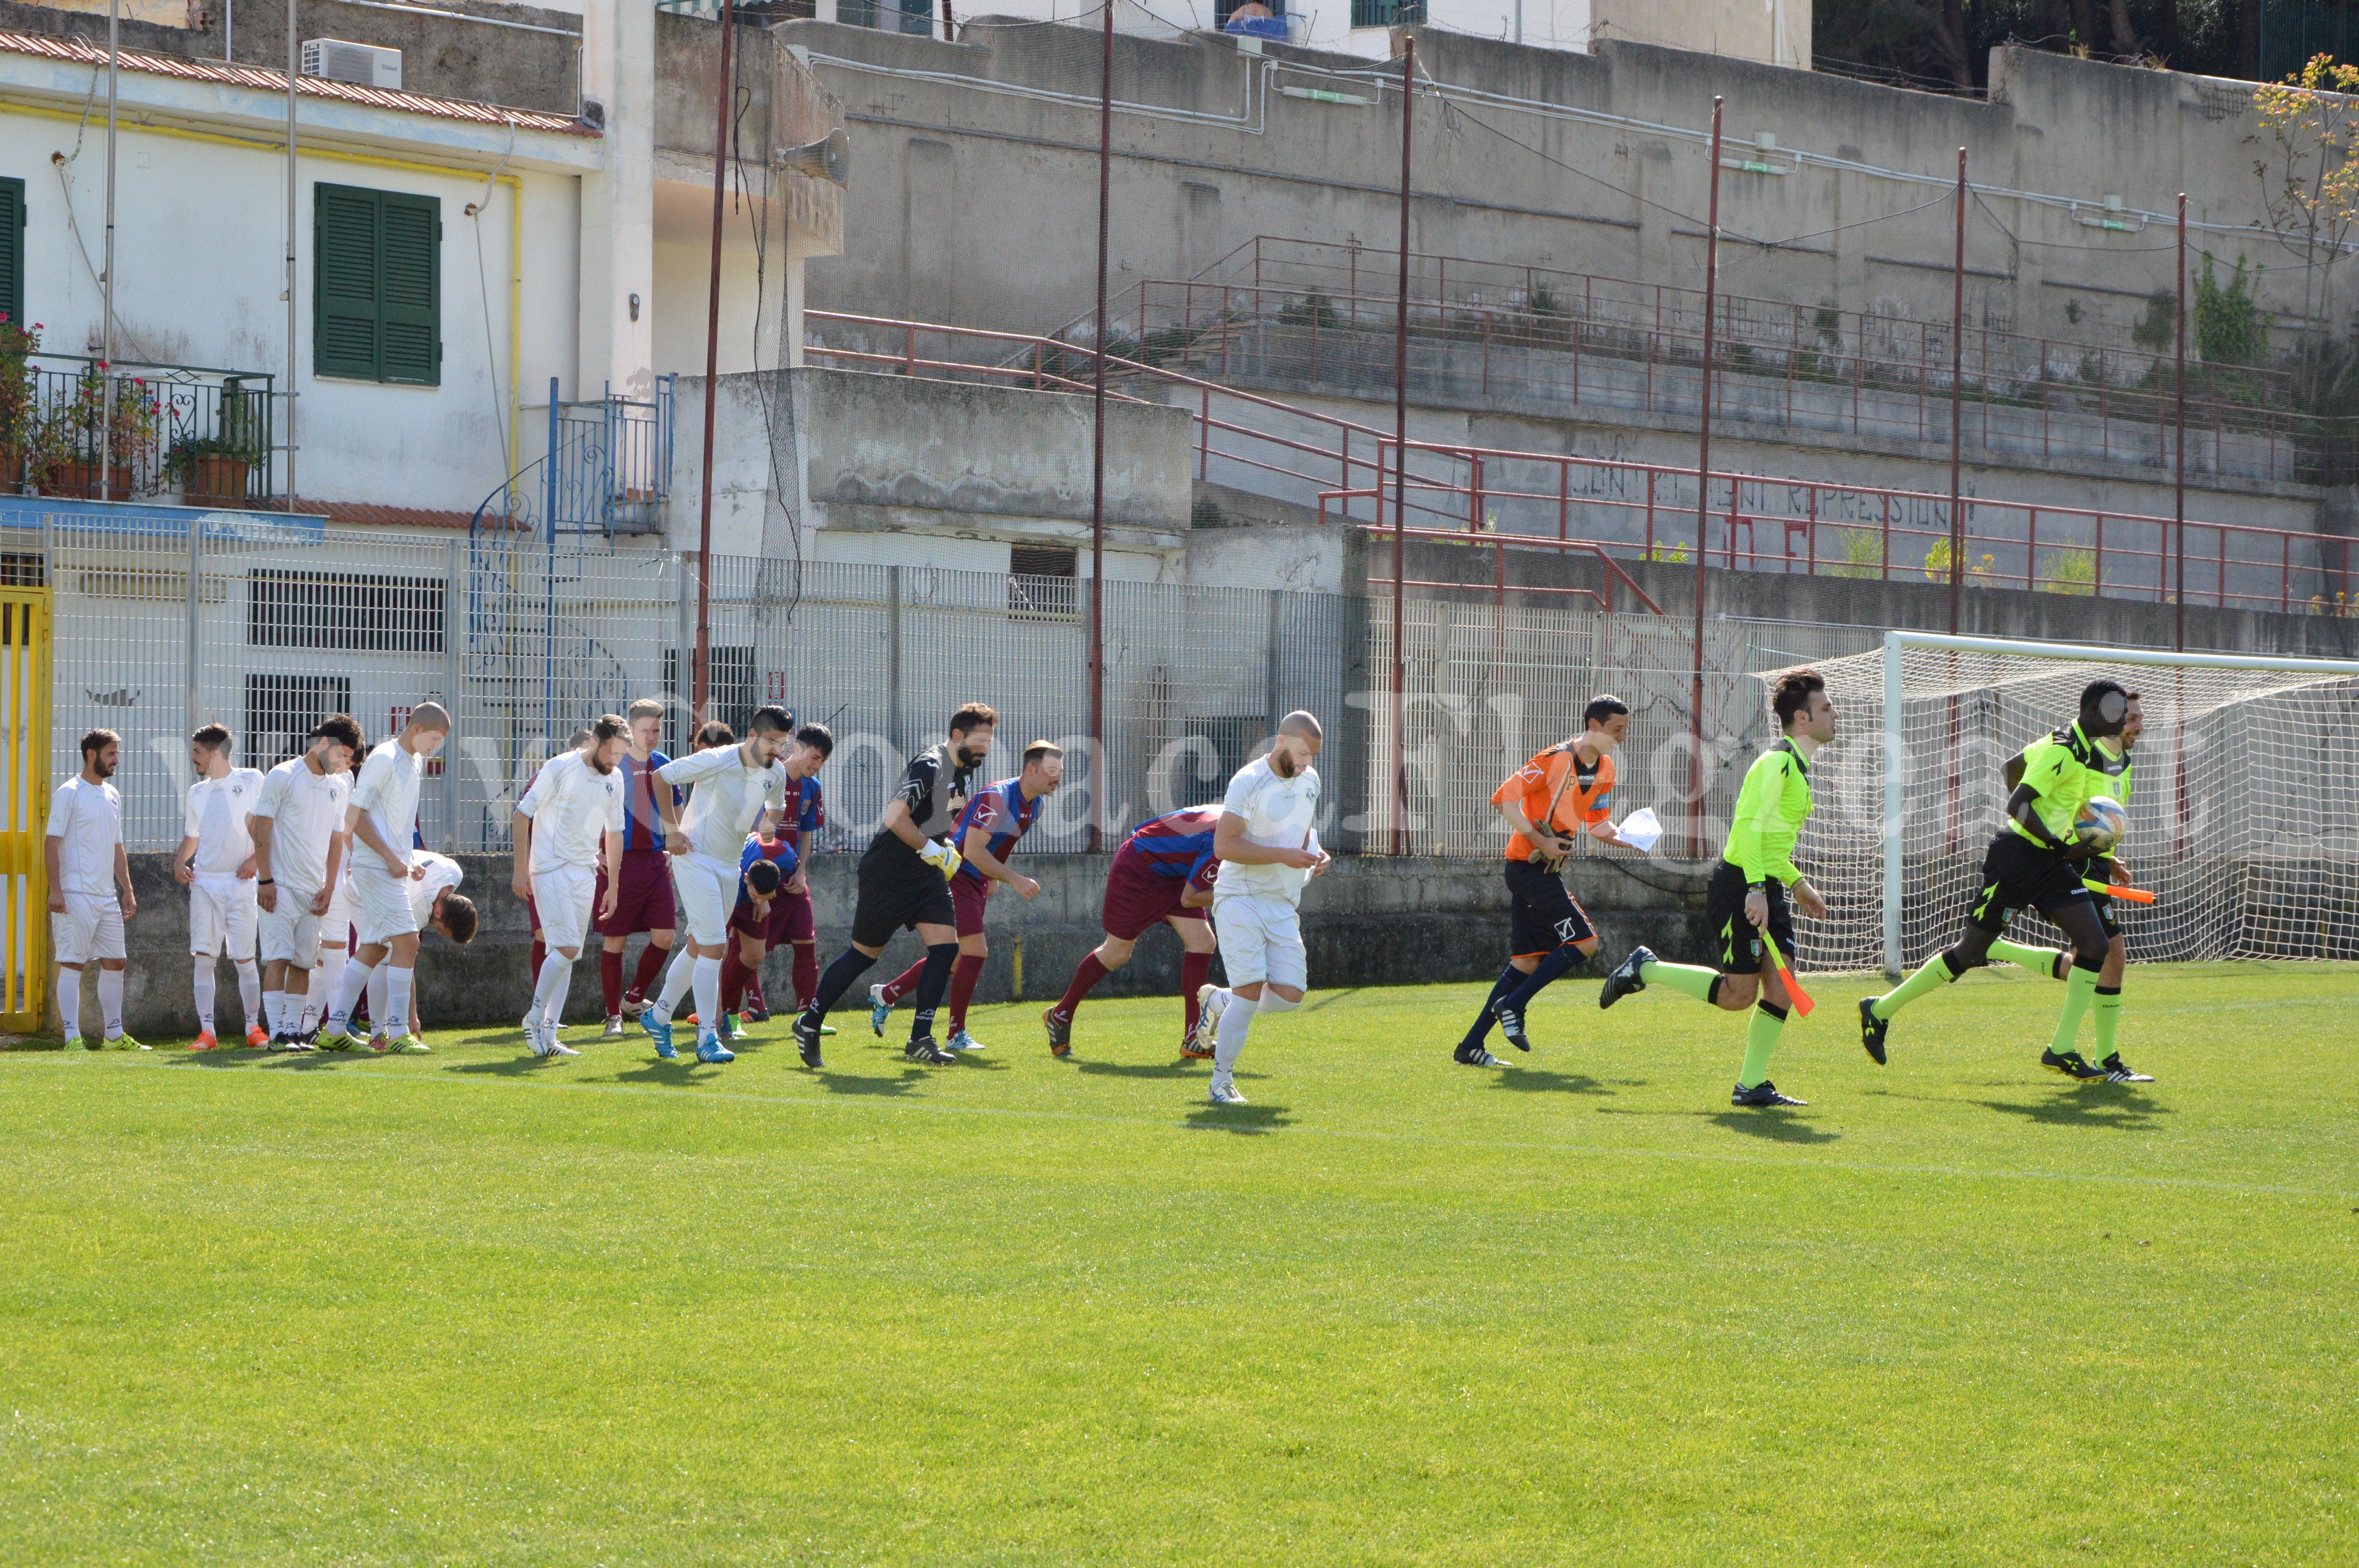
x=1558, y=792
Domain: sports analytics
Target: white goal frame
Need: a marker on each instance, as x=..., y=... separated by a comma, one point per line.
x=1896, y=767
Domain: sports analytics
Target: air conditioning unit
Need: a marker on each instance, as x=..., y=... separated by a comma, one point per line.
x=363, y=65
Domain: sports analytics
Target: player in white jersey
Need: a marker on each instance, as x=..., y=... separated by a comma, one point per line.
x=1267, y=842
x=382, y=816
x=436, y=902
x=216, y=863
x=731, y=789
x=82, y=854
x=298, y=849
x=567, y=825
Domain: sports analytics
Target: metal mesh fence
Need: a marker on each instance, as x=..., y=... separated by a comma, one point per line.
x=525, y=643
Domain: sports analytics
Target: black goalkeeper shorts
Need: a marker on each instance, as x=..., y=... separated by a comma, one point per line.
x=1543, y=915
x=898, y=892
x=2020, y=874
x=1736, y=944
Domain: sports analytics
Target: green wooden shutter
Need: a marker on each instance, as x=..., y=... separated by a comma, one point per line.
x=411, y=227
x=346, y=282
x=12, y=249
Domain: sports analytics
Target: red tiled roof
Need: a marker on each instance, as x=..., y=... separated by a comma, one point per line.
x=78, y=53
x=367, y=514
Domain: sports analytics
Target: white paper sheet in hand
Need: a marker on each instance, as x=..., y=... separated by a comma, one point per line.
x=1641, y=831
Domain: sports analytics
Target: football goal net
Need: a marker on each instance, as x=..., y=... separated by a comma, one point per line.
x=2244, y=798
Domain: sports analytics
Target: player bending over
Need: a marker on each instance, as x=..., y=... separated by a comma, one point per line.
x=1267, y=841
x=216, y=863
x=82, y=855
x=1747, y=898
x=903, y=883
x=763, y=872
x=2036, y=861
x=987, y=831
x=644, y=902
x=737, y=789
x=433, y=899
x=1162, y=874
x=567, y=829
x=383, y=815
x=1555, y=795
x=298, y=861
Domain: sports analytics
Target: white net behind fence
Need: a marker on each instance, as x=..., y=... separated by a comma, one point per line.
x=2243, y=804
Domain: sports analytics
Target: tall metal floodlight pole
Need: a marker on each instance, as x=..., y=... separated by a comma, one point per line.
x=1704, y=502
x=700, y=688
x=2179, y=479
x=106, y=333
x=1957, y=387
x=294, y=59
x=1400, y=456
x=1098, y=769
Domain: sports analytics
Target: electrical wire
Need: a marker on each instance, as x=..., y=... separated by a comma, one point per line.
x=61, y=162
x=475, y=210
x=759, y=219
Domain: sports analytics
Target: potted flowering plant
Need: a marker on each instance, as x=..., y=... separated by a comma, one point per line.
x=213, y=469
x=77, y=436
x=18, y=344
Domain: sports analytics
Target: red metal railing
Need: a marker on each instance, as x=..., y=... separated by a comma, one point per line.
x=1343, y=471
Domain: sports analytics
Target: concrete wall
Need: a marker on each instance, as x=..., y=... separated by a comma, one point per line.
x=913, y=467
x=1370, y=921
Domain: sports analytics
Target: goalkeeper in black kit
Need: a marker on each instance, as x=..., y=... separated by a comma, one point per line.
x=2037, y=860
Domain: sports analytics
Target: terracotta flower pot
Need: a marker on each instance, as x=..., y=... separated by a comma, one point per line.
x=81, y=479
x=216, y=482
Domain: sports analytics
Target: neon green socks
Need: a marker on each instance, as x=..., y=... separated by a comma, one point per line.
x=1933, y=974
x=2040, y=961
x=1693, y=979
x=1759, y=1041
x=2079, y=989
x=2106, y=1017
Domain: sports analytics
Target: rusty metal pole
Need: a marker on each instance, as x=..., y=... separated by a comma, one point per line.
x=1704, y=502
x=2179, y=479
x=1957, y=389
x=1097, y=449
x=1400, y=453
x=701, y=687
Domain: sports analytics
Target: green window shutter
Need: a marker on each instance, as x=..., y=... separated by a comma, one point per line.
x=12, y=249
x=412, y=291
x=347, y=281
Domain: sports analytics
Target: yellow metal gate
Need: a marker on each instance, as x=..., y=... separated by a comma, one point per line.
x=23, y=805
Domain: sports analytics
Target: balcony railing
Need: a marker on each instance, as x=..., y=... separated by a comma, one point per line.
x=74, y=426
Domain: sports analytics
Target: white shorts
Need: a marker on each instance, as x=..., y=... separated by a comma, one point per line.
x=336, y=925
x=1261, y=940
x=223, y=912
x=564, y=896
x=90, y=928
x=382, y=907
x=707, y=895
x=291, y=933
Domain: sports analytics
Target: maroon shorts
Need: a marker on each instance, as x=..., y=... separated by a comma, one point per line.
x=968, y=896
x=644, y=903
x=791, y=919
x=1136, y=900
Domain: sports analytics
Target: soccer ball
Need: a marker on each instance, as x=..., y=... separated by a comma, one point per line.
x=2101, y=824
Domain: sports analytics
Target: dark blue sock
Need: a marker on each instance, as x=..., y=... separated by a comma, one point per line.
x=1509, y=978
x=1552, y=967
x=837, y=980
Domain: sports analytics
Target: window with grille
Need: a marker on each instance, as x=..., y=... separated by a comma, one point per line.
x=1041, y=579
x=735, y=694
x=367, y=612
x=376, y=287
x=281, y=709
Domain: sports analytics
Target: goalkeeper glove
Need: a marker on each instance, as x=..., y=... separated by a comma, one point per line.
x=941, y=856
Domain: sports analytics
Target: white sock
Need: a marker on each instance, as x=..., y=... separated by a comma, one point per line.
x=1272, y=1002
x=707, y=980
x=249, y=988
x=1236, y=1018
x=355, y=979
x=549, y=995
x=328, y=980
x=274, y=1012
x=109, y=1001
x=70, y=1002
x=676, y=980
x=396, y=1002
x=307, y=1005
x=202, y=982
x=380, y=984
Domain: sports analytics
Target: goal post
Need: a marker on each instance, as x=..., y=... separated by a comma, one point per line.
x=2243, y=805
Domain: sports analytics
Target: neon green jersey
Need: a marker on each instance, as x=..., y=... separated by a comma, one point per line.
x=1770, y=811
x=2066, y=770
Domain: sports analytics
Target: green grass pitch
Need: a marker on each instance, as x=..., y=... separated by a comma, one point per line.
x=475, y=1308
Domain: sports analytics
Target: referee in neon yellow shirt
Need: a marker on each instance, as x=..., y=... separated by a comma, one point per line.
x=1753, y=891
